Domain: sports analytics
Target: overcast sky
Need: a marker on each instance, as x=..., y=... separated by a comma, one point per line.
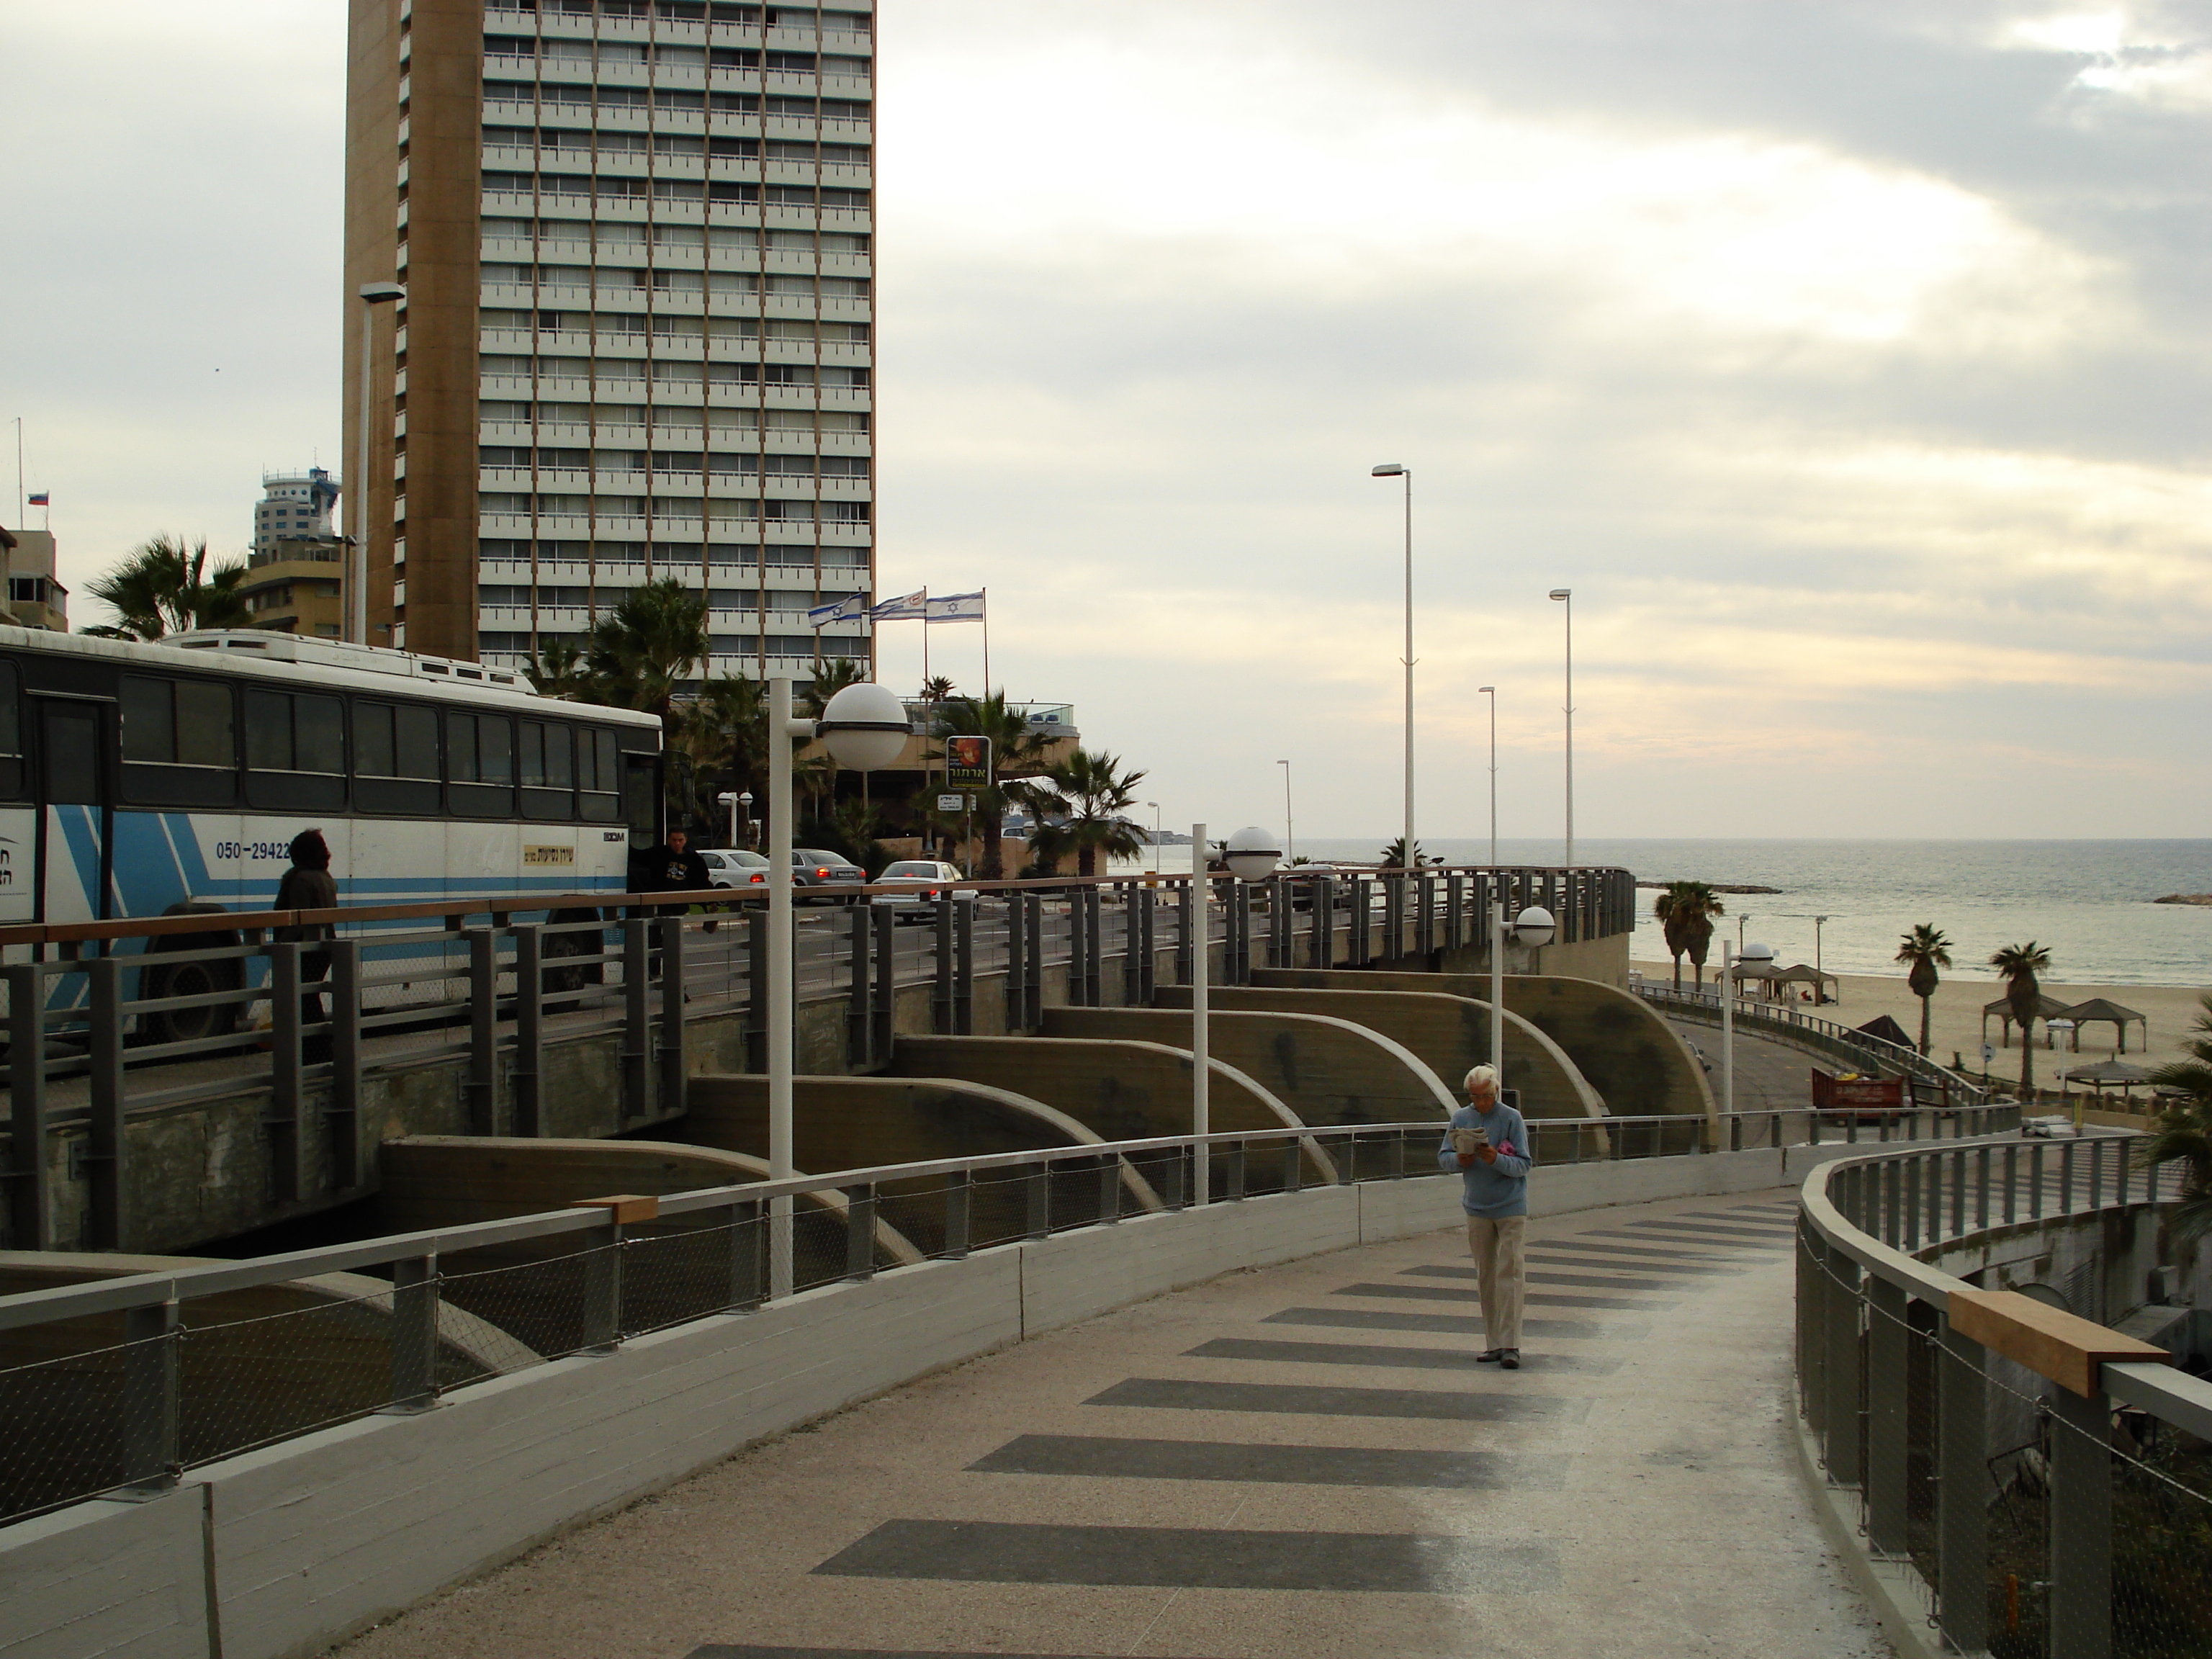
x=1847, y=362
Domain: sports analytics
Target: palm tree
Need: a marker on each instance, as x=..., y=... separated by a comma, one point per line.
x=641, y=650
x=163, y=587
x=1927, y=948
x=936, y=689
x=2183, y=1131
x=1017, y=752
x=1392, y=857
x=724, y=734
x=2017, y=966
x=830, y=679
x=1090, y=792
x=1685, y=910
x=557, y=669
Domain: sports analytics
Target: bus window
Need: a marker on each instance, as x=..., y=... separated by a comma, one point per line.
x=480, y=762
x=547, y=766
x=294, y=751
x=180, y=743
x=11, y=733
x=396, y=751
x=597, y=777
x=641, y=795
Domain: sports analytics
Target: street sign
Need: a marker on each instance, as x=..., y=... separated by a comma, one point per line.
x=952, y=802
x=1988, y=1055
x=967, y=762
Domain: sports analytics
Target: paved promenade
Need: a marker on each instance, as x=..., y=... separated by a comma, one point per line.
x=1299, y=1462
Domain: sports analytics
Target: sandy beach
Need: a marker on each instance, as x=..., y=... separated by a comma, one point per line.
x=1957, y=1024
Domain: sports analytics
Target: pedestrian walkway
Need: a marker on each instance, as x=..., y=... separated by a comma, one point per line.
x=1305, y=1460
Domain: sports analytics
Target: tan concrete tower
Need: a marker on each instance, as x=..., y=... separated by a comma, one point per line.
x=636, y=237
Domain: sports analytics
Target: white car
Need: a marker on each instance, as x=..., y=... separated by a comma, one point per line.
x=2054, y=1128
x=923, y=882
x=732, y=866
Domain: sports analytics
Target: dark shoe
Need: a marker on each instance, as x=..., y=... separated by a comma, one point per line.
x=1511, y=1359
x=1489, y=1356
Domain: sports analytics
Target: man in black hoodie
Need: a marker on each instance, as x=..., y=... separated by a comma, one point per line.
x=307, y=886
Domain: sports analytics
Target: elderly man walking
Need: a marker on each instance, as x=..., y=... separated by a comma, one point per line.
x=1488, y=1142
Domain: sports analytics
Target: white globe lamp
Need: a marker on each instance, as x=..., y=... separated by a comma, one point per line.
x=865, y=727
x=1252, y=853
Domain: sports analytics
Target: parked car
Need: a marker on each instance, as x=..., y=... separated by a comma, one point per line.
x=922, y=883
x=817, y=868
x=733, y=866
x=2056, y=1127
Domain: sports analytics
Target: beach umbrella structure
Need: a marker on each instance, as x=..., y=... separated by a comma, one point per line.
x=2104, y=1008
x=2110, y=1074
x=1805, y=974
x=2046, y=1007
x=1882, y=1026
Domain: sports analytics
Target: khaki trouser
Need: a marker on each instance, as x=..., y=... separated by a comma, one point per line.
x=1501, y=1275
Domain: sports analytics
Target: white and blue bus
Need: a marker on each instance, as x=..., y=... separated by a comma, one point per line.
x=141, y=780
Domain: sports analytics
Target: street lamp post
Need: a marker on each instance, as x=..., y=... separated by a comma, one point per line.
x=1820, y=986
x=1490, y=692
x=372, y=294
x=1155, y=850
x=1727, y=1030
x=1395, y=470
x=1251, y=855
x=1290, y=831
x=745, y=800
x=1566, y=595
x=1532, y=929
x=864, y=727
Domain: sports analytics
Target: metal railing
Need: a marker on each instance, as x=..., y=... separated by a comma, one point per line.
x=2022, y=1515
x=1879, y=1055
x=120, y=1384
x=107, y=1020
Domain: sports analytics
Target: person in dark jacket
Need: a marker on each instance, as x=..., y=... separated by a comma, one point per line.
x=675, y=868
x=308, y=885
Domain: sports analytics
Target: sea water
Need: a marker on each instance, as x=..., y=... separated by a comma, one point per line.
x=2088, y=902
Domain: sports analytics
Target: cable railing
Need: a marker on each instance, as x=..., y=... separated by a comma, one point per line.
x=2029, y=1482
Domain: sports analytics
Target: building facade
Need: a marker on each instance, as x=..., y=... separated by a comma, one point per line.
x=36, y=598
x=296, y=585
x=637, y=240
x=294, y=504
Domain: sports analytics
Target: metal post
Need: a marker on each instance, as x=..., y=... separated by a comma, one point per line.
x=1016, y=961
x=525, y=1078
x=748, y=1259
x=858, y=984
x=1497, y=987
x=2035, y=1181
x=1201, y=1064
x=1321, y=948
x=1109, y=1189
x=780, y=991
x=1185, y=930
x=757, y=997
x=1728, y=1028
x=964, y=967
x=1888, y=1344
x=287, y=1146
x=602, y=1303
x=1360, y=948
x=414, y=1333
x=150, y=1458
x=2080, y=1574
x=1147, y=953
x=1038, y=1186
x=2011, y=1183
x=883, y=1006
x=1279, y=922
x=1094, y=949
x=1235, y=1159
x=1455, y=911
x=1962, y=1492
x=343, y=1113
x=860, y=1232
x=484, y=1031
x=674, y=1067
x=1133, y=974
x=1839, y=1369
x=1033, y=1007
x=959, y=1205
x=637, y=1025
x=30, y=1208
x=1981, y=1188
x=941, y=991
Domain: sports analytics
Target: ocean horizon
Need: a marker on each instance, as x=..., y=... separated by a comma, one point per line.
x=2090, y=902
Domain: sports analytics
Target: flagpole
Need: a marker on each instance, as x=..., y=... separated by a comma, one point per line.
x=986, y=641
x=22, y=511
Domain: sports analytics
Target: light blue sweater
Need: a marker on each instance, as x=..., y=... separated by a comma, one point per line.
x=1500, y=1189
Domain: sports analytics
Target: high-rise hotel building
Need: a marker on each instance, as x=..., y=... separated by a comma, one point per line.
x=636, y=237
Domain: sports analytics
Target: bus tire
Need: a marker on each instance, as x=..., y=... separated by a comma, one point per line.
x=191, y=979
x=568, y=979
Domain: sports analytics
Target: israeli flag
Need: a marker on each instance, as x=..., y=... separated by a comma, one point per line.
x=845, y=610
x=955, y=607
x=906, y=608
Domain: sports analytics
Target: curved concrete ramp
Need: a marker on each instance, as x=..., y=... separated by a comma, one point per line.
x=851, y=1122
x=1449, y=1030
x=1330, y=1071
x=1639, y=1062
x=1119, y=1090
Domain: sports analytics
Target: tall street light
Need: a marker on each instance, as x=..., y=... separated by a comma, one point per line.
x=1820, y=986
x=372, y=294
x=865, y=727
x=1566, y=597
x=1290, y=832
x=1251, y=855
x=1531, y=930
x=1490, y=692
x=1395, y=470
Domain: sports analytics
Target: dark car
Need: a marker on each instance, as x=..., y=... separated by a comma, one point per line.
x=821, y=872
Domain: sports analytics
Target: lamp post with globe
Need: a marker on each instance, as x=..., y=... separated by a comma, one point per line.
x=1251, y=854
x=1532, y=930
x=864, y=727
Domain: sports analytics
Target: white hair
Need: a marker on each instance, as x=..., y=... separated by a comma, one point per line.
x=1481, y=1077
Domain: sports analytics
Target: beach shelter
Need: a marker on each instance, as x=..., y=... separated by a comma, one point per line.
x=1805, y=974
x=1882, y=1026
x=2103, y=1008
x=2046, y=1007
x=2110, y=1074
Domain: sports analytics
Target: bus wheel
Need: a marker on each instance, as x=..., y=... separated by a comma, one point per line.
x=191, y=979
x=567, y=979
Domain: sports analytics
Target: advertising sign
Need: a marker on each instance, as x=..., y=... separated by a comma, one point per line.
x=967, y=762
